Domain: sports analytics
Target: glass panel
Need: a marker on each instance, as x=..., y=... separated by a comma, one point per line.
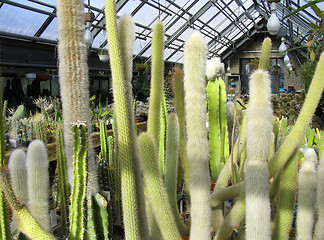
x=51, y=31
x=27, y=23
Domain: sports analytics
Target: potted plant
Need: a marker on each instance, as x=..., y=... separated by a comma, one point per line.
x=103, y=55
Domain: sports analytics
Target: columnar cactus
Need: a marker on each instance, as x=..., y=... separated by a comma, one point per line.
x=157, y=79
x=78, y=208
x=259, y=127
x=197, y=144
x=306, y=197
x=74, y=80
x=156, y=192
x=126, y=139
x=163, y=131
x=38, y=183
x=320, y=197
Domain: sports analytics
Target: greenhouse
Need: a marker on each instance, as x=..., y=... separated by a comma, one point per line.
x=161, y=119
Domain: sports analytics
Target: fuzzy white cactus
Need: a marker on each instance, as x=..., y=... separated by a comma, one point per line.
x=320, y=197
x=197, y=144
x=306, y=197
x=258, y=140
x=214, y=68
x=38, y=183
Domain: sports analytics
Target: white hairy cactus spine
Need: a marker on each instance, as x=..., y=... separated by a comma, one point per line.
x=197, y=144
x=74, y=80
x=320, y=197
x=306, y=197
x=258, y=140
x=38, y=183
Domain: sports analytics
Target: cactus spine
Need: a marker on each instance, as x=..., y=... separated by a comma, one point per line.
x=74, y=82
x=306, y=197
x=171, y=167
x=320, y=197
x=153, y=122
x=126, y=141
x=38, y=183
x=155, y=188
x=287, y=198
x=78, y=208
x=259, y=127
x=4, y=219
x=197, y=144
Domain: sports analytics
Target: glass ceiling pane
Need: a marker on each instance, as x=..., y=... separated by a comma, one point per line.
x=27, y=23
x=51, y=31
x=39, y=6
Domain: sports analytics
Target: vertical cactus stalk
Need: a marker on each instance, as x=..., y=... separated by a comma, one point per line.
x=103, y=140
x=306, y=197
x=296, y=134
x=63, y=181
x=178, y=91
x=4, y=219
x=197, y=144
x=163, y=131
x=74, y=80
x=38, y=183
x=265, y=54
x=259, y=127
x=287, y=198
x=27, y=224
x=126, y=139
x=155, y=188
x=320, y=197
x=78, y=208
x=153, y=121
x=18, y=177
x=171, y=167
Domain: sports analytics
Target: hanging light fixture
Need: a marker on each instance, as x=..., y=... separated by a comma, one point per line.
x=286, y=59
x=282, y=47
x=88, y=17
x=273, y=24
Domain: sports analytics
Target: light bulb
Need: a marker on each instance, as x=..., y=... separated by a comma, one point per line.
x=273, y=24
x=88, y=38
x=286, y=59
x=289, y=65
x=282, y=47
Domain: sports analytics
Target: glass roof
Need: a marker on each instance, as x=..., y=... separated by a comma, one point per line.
x=225, y=24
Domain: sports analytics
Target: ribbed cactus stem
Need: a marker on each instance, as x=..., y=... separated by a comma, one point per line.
x=320, y=197
x=265, y=54
x=18, y=177
x=306, y=199
x=27, y=224
x=103, y=140
x=62, y=176
x=4, y=219
x=163, y=131
x=78, y=208
x=155, y=188
x=297, y=133
x=157, y=79
x=287, y=198
x=197, y=144
x=74, y=80
x=259, y=127
x=126, y=139
x=38, y=183
x=171, y=169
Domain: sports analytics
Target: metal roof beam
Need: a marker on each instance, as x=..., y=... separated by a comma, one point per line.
x=28, y=7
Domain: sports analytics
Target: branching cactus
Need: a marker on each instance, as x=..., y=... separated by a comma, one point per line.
x=78, y=208
x=197, y=144
x=156, y=192
x=38, y=183
x=126, y=139
x=171, y=169
x=259, y=127
x=4, y=219
x=74, y=80
x=320, y=197
x=18, y=176
x=306, y=197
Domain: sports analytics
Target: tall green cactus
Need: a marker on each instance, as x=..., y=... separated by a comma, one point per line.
x=163, y=131
x=62, y=176
x=197, y=144
x=126, y=139
x=74, y=81
x=4, y=220
x=155, y=188
x=38, y=183
x=306, y=196
x=78, y=208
